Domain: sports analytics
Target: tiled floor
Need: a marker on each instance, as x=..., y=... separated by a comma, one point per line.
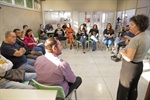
x=100, y=75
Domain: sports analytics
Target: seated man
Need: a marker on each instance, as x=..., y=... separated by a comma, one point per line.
x=42, y=33
x=54, y=71
x=30, y=53
x=15, y=53
x=125, y=40
x=6, y=65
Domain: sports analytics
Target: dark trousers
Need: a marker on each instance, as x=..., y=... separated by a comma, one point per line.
x=74, y=85
x=129, y=77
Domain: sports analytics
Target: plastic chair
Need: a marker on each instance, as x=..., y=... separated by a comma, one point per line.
x=60, y=91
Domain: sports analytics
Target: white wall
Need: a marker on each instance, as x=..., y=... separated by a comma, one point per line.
x=12, y=17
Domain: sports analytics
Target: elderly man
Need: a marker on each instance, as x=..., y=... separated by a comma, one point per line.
x=54, y=71
x=15, y=53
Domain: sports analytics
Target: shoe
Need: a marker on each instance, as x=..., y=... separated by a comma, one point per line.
x=93, y=50
x=70, y=47
x=113, y=57
x=84, y=52
x=112, y=52
x=117, y=59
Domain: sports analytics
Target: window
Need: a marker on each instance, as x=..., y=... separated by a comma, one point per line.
x=37, y=4
x=19, y=2
x=9, y=1
x=29, y=3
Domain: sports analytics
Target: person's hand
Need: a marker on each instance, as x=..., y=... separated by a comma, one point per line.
x=122, y=51
x=23, y=50
x=33, y=52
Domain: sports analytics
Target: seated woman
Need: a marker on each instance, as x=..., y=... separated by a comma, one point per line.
x=6, y=65
x=108, y=35
x=42, y=33
x=82, y=36
x=59, y=33
x=69, y=34
x=31, y=43
x=94, y=32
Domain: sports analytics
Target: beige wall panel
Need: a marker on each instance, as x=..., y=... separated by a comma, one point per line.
x=143, y=3
x=12, y=17
x=142, y=11
x=126, y=4
x=82, y=5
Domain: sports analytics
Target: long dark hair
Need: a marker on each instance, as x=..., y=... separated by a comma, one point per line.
x=29, y=30
x=110, y=29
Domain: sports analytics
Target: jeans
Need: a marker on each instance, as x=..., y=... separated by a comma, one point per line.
x=83, y=40
x=28, y=66
x=94, y=43
x=108, y=41
x=16, y=85
x=40, y=48
x=44, y=37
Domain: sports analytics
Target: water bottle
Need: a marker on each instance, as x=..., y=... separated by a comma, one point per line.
x=1, y=60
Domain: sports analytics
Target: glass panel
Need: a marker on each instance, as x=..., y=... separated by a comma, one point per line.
x=19, y=2
x=37, y=4
x=9, y=1
x=29, y=3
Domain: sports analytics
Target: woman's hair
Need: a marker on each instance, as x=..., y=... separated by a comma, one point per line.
x=49, y=43
x=29, y=30
x=110, y=30
x=141, y=21
x=96, y=27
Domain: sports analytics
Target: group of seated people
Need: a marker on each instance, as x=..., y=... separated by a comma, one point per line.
x=121, y=41
x=44, y=66
x=67, y=32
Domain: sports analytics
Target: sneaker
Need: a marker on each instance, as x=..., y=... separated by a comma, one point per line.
x=117, y=59
x=93, y=50
x=112, y=52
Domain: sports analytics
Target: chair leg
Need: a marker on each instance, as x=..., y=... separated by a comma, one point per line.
x=75, y=93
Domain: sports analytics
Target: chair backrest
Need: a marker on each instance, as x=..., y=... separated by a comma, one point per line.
x=60, y=91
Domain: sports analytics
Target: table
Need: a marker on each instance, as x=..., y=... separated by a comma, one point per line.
x=27, y=94
x=50, y=33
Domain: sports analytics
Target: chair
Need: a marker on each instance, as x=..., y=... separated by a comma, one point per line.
x=60, y=91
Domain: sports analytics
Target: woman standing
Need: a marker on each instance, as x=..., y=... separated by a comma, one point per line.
x=133, y=55
x=108, y=35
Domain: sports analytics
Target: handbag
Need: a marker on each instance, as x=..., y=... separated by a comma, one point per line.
x=14, y=75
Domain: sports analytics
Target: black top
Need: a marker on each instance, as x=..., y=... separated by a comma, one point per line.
x=21, y=43
x=107, y=32
x=94, y=32
x=7, y=50
x=82, y=34
x=59, y=33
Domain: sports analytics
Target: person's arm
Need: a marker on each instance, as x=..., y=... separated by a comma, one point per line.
x=26, y=41
x=112, y=35
x=63, y=33
x=7, y=65
x=105, y=33
x=55, y=33
x=128, y=53
x=68, y=73
x=19, y=52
